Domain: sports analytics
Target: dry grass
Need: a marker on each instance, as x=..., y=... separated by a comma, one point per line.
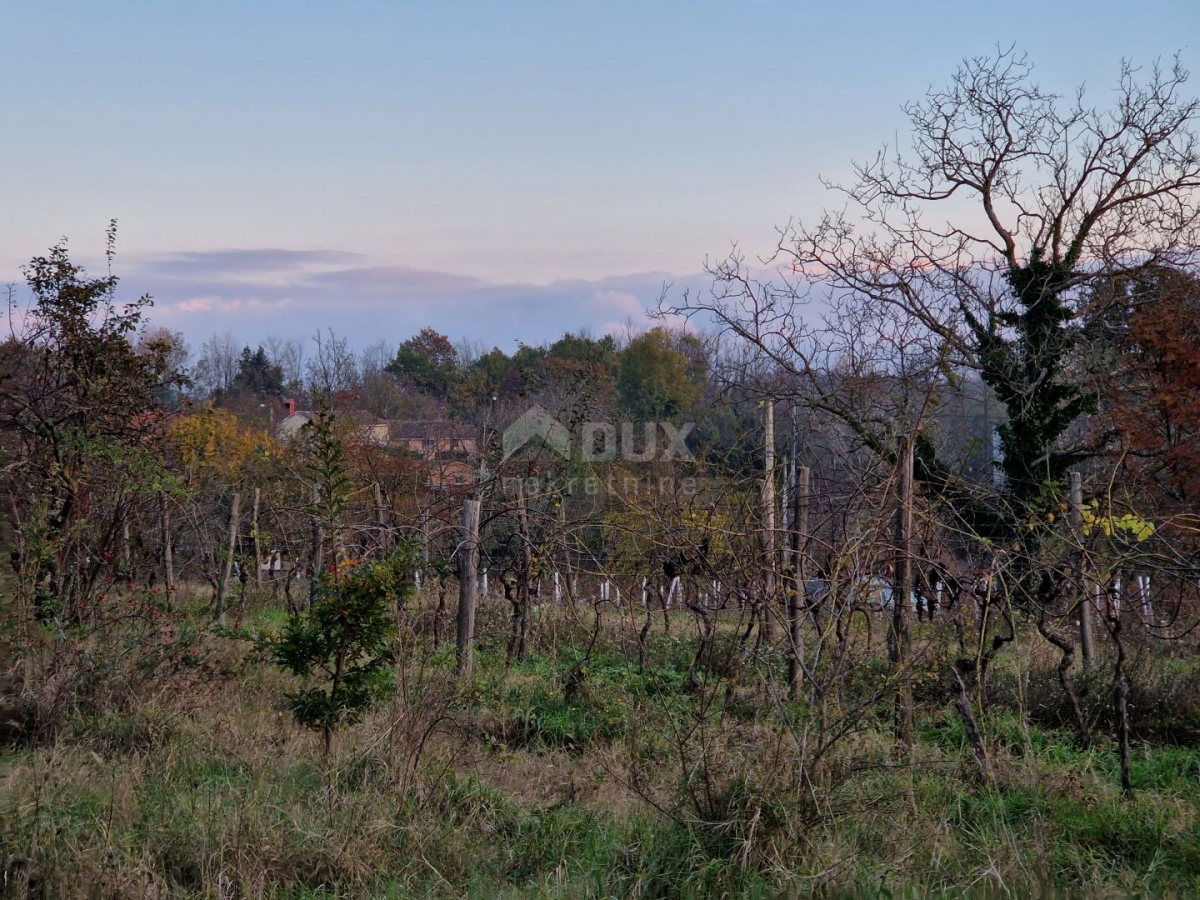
x=194, y=782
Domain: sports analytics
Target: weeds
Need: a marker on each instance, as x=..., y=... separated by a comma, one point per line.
x=641, y=781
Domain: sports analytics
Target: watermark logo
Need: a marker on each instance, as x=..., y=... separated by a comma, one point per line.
x=593, y=485
x=601, y=441
x=536, y=423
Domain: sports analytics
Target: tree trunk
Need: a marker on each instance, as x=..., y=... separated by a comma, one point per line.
x=335, y=696
x=318, y=548
x=1067, y=648
x=963, y=704
x=1120, y=690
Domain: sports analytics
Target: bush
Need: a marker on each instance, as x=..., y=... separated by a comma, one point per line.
x=348, y=639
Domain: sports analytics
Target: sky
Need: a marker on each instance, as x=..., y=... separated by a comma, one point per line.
x=502, y=172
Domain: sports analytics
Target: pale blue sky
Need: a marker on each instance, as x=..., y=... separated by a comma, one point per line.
x=500, y=171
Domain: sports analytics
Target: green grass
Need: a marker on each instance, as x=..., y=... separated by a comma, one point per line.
x=639, y=784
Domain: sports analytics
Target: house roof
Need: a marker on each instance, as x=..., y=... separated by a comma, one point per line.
x=362, y=418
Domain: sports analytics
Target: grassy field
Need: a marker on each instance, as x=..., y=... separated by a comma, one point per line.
x=130, y=771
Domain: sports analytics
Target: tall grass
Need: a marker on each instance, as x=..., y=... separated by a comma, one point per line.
x=638, y=781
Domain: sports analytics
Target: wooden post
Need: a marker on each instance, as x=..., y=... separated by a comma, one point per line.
x=126, y=545
x=562, y=542
x=799, y=532
x=257, y=544
x=318, y=548
x=227, y=568
x=380, y=525
x=168, y=558
x=526, y=621
x=787, y=505
x=901, y=632
x=468, y=566
x=1085, y=601
x=768, y=505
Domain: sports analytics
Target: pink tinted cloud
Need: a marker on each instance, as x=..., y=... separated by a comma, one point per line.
x=226, y=305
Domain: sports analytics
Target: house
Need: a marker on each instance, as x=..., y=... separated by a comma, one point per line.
x=430, y=439
x=365, y=428
x=369, y=429
x=293, y=420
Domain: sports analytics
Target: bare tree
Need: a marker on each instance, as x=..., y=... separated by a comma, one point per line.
x=288, y=354
x=217, y=366
x=1065, y=195
x=177, y=353
x=334, y=368
x=1068, y=195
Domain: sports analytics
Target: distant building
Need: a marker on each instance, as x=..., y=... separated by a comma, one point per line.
x=443, y=448
x=367, y=429
x=293, y=420
x=429, y=439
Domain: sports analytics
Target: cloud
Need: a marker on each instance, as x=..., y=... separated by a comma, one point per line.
x=617, y=310
x=227, y=306
x=257, y=293
x=198, y=304
x=232, y=264
x=391, y=279
x=273, y=292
